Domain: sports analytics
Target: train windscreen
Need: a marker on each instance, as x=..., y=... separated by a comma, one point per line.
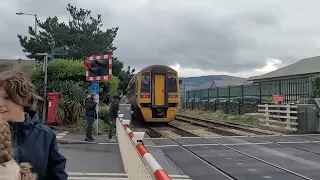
x=172, y=82
x=145, y=82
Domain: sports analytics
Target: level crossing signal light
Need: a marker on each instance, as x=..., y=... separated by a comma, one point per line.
x=98, y=67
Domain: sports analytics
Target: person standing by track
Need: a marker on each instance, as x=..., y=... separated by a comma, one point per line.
x=91, y=115
x=113, y=114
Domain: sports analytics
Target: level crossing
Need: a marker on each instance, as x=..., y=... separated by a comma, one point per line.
x=203, y=158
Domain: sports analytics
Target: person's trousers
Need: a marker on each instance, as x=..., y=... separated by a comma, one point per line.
x=90, y=121
x=112, y=126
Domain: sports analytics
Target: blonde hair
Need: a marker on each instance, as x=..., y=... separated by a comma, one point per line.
x=19, y=88
x=6, y=153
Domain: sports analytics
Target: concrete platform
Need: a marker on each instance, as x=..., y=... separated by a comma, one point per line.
x=191, y=165
x=292, y=138
x=259, y=157
x=164, y=161
x=92, y=158
x=238, y=165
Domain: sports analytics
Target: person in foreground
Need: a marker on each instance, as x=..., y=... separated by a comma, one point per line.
x=33, y=142
x=9, y=169
x=91, y=115
x=113, y=114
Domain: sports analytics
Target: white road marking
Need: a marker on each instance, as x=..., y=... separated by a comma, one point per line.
x=96, y=178
x=112, y=176
x=95, y=174
x=61, y=135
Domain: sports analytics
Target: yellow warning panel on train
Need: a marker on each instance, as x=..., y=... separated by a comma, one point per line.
x=154, y=94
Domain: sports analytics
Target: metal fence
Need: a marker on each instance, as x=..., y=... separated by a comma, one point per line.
x=183, y=93
x=292, y=89
x=238, y=108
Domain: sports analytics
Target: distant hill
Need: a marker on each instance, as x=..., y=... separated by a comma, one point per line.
x=206, y=81
x=27, y=66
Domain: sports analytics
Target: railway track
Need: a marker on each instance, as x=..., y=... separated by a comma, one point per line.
x=212, y=165
x=223, y=128
x=206, y=127
x=169, y=131
x=162, y=130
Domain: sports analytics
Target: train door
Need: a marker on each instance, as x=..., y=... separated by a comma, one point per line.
x=159, y=89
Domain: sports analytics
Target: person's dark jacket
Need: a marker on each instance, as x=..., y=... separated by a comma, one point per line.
x=114, y=106
x=36, y=144
x=90, y=106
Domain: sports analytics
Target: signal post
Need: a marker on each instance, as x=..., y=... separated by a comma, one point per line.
x=98, y=68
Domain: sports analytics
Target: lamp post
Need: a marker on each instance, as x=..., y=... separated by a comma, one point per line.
x=45, y=69
x=35, y=19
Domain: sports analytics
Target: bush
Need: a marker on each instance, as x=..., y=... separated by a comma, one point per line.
x=68, y=78
x=80, y=127
x=108, y=89
x=315, y=87
x=71, y=106
x=60, y=70
x=104, y=113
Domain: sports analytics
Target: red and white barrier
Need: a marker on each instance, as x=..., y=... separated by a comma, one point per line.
x=150, y=168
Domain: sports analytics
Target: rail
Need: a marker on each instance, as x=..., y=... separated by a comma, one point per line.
x=138, y=162
x=281, y=116
x=223, y=127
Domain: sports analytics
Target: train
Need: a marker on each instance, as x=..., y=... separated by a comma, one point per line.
x=154, y=94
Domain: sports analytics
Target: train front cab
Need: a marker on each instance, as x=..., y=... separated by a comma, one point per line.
x=159, y=95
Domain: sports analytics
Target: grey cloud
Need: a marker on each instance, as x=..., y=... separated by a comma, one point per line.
x=45, y=8
x=230, y=35
x=194, y=41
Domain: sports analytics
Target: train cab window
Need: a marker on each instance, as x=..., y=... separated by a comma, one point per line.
x=172, y=83
x=145, y=82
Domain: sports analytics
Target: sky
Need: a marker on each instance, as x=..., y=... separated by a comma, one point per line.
x=204, y=37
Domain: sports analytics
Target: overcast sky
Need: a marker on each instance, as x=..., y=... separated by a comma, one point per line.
x=196, y=37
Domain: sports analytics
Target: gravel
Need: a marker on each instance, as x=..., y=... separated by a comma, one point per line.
x=200, y=131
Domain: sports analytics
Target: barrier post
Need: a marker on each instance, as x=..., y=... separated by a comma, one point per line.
x=137, y=161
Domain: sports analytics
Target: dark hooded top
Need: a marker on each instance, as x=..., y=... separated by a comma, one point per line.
x=114, y=106
x=36, y=144
x=90, y=107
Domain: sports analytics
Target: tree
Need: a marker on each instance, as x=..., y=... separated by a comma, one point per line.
x=81, y=37
x=109, y=88
x=125, y=76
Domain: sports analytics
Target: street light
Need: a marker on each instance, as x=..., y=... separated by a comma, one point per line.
x=35, y=19
x=45, y=69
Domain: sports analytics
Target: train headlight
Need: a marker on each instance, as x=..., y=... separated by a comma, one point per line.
x=145, y=96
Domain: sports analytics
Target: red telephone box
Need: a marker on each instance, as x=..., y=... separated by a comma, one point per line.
x=53, y=100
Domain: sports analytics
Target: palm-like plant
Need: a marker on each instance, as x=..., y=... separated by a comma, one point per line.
x=71, y=106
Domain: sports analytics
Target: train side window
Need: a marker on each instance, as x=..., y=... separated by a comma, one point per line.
x=145, y=82
x=172, y=83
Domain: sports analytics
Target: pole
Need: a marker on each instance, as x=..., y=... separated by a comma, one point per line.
x=35, y=24
x=95, y=89
x=97, y=121
x=185, y=96
x=44, y=117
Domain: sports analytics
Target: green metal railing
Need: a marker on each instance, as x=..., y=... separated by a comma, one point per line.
x=292, y=89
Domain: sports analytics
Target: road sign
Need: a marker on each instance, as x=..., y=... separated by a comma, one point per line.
x=98, y=67
x=95, y=87
x=278, y=97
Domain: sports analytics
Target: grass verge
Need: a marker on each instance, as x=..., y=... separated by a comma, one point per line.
x=80, y=127
x=241, y=119
x=219, y=115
